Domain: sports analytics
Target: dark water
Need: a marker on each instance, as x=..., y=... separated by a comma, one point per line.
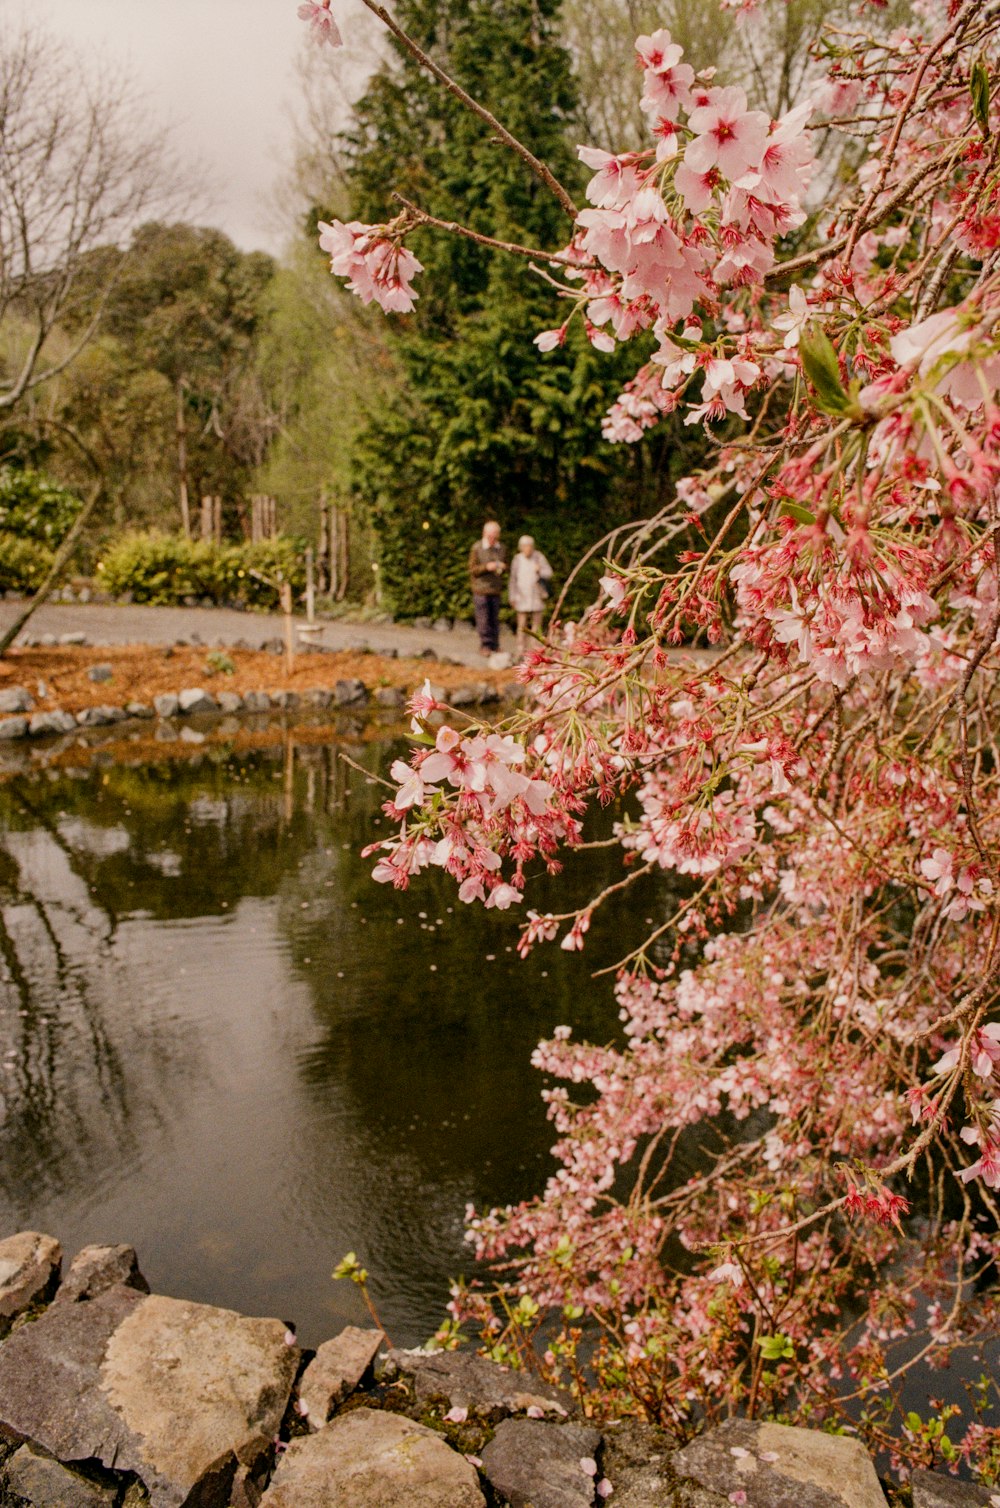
x=222, y=1042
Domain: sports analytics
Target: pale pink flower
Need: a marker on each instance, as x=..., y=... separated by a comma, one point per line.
x=616, y=589
x=792, y=322
x=783, y=173
x=548, y=340
x=456, y=1415
x=727, y=135
x=322, y=26
x=615, y=180
x=502, y=897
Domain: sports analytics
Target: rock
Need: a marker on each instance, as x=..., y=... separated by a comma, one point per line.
x=84, y=594
x=29, y=1272
x=166, y=704
x=422, y=623
x=808, y=1470
x=194, y=699
x=74, y=638
x=533, y=1464
x=47, y=641
x=428, y=654
x=472, y=1382
x=191, y=736
x=257, y=701
x=637, y=1461
x=319, y=696
x=285, y=699
x=99, y=717
x=273, y=647
x=366, y=1459
x=462, y=696
x=487, y=694
x=181, y=1394
x=441, y=625
x=95, y=1268
x=932, y=1490
x=16, y=699
x=51, y=722
x=335, y=1371
x=390, y=696
x=230, y=702
x=500, y=660
x=349, y=693
x=439, y=693
x=100, y=673
x=43, y=1483
x=13, y=727
x=139, y=710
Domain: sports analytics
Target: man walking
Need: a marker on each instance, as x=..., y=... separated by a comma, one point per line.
x=487, y=567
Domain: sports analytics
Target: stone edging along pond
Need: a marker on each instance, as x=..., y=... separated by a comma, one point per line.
x=19, y=718
x=113, y=1397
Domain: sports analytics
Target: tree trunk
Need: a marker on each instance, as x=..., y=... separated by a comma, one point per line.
x=182, y=461
x=62, y=555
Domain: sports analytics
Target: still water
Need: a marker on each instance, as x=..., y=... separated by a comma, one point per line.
x=221, y=1042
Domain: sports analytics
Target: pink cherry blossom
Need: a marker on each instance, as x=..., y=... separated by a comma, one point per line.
x=322, y=26
x=727, y=135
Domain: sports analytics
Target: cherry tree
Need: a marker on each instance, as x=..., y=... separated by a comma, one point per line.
x=802, y=710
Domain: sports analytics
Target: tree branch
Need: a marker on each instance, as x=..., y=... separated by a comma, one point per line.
x=541, y=172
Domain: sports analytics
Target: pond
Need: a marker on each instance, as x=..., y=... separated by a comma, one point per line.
x=221, y=1042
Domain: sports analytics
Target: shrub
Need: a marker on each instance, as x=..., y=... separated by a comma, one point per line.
x=34, y=508
x=24, y=563
x=164, y=569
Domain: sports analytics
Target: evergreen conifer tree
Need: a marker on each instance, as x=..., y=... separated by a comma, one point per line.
x=484, y=425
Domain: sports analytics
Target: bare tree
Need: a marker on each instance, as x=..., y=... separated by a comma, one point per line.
x=79, y=169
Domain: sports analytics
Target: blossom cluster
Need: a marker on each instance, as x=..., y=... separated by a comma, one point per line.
x=788, y=688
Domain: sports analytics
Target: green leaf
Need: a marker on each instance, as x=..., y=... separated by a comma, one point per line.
x=775, y=1347
x=979, y=88
x=800, y=514
x=819, y=361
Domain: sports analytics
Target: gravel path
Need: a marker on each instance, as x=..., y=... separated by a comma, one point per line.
x=113, y=624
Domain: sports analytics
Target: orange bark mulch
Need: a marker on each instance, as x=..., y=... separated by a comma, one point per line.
x=141, y=672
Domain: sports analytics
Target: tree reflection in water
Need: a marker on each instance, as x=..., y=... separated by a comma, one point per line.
x=231, y=1048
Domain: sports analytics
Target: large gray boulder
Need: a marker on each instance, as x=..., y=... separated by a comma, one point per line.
x=181, y=1394
x=533, y=1464
x=230, y=702
x=350, y=693
x=194, y=699
x=932, y=1490
x=15, y=699
x=166, y=704
x=335, y=1371
x=97, y=1268
x=779, y=1466
x=13, y=727
x=29, y=1272
x=51, y=722
x=465, y=1380
x=42, y=1482
x=366, y=1459
x=100, y=717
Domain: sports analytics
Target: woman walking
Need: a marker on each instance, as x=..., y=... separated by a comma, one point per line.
x=528, y=589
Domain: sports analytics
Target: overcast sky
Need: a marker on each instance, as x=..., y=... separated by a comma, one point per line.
x=219, y=73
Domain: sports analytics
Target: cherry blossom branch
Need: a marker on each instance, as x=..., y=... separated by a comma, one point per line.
x=421, y=217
